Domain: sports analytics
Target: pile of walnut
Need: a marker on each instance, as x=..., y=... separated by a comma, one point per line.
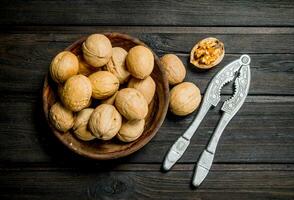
x=97, y=75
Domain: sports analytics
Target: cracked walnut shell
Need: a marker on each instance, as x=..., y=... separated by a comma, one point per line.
x=174, y=68
x=207, y=53
x=97, y=50
x=76, y=93
x=140, y=61
x=184, y=98
x=105, y=122
x=104, y=84
x=131, y=104
x=61, y=118
x=63, y=66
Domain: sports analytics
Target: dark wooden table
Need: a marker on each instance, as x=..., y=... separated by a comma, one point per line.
x=255, y=158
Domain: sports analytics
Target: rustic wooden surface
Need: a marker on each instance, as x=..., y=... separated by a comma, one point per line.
x=255, y=157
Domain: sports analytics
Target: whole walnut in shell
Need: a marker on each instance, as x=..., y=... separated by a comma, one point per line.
x=60, y=91
x=110, y=100
x=61, y=118
x=116, y=64
x=84, y=68
x=207, y=53
x=146, y=86
x=131, y=130
x=63, y=66
x=104, y=84
x=80, y=126
x=140, y=61
x=174, y=68
x=184, y=98
x=97, y=50
x=76, y=93
x=105, y=122
x=131, y=104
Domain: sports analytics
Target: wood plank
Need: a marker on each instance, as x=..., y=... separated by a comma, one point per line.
x=236, y=40
x=271, y=74
x=260, y=133
x=145, y=29
x=223, y=182
x=25, y=57
x=168, y=12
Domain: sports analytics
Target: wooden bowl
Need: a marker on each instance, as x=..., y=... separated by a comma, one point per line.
x=103, y=150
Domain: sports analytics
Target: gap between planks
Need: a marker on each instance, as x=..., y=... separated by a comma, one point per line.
x=45, y=29
x=113, y=166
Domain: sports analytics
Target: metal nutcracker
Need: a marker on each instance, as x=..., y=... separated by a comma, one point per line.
x=239, y=68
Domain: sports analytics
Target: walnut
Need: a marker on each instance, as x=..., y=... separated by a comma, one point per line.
x=184, y=98
x=110, y=100
x=104, y=84
x=76, y=93
x=207, y=53
x=116, y=64
x=145, y=86
x=80, y=127
x=63, y=66
x=131, y=130
x=61, y=118
x=105, y=122
x=97, y=50
x=140, y=62
x=131, y=104
x=84, y=68
x=174, y=68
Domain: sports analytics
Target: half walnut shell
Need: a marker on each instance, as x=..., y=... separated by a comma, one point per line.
x=207, y=53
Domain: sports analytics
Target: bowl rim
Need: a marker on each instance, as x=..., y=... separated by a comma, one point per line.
x=136, y=145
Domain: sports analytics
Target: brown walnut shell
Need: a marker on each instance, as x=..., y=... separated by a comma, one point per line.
x=140, y=62
x=76, y=93
x=80, y=127
x=97, y=50
x=105, y=122
x=207, y=53
x=146, y=86
x=184, y=98
x=61, y=118
x=110, y=100
x=131, y=104
x=63, y=66
x=104, y=84
x=174, y=68
x=84, y=68
x=116, y=64
x=131, y=130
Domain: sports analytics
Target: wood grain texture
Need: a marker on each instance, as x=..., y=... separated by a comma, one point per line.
x=271, y=74
x=25, y=57
x=147, y=182
x=260, y=133
x=255, y=156
x=167, y=12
